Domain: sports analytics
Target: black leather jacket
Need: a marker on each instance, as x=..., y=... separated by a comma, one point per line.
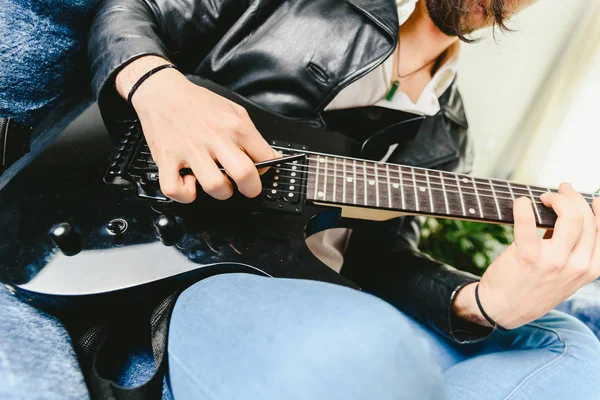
x=293, y=57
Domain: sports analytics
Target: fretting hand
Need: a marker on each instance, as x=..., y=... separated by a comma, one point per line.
x=535, y=274
x=187, y=126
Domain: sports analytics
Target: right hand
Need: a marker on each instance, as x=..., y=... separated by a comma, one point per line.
x=187, y=126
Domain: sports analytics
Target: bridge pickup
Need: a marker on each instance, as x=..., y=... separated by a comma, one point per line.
x=284, y=185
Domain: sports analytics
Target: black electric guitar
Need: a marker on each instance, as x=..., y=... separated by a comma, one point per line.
x=84, y=225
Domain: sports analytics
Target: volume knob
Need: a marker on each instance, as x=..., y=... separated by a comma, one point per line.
x=168, y=229
x=66, y=238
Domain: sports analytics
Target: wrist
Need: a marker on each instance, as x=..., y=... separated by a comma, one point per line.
x=465, y=306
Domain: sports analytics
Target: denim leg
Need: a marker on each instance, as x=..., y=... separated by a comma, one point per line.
x=585, y=306
x=242, y=336
x=554, y=357
x=42, y=55
x=37, y=360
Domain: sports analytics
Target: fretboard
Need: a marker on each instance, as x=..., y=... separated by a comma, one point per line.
x=352, y=182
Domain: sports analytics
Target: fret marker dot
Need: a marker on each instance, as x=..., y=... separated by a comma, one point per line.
x=274, y=191
x=291, y=188
x=320, y=194
x=396, y=186
x=276, y=178
x=472, y=210
x=290, y=194
x=371, y=182
x=465, y=180
x=278, y=165
x=321, y=160
x=275, y=184
x=292, y=181
x=294, y=167
x=276, y=171
x=349, y=179
x=295, y=162
x=422, y=189
x=293, y=174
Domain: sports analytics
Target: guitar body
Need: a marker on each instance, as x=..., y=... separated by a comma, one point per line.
x=71, y=240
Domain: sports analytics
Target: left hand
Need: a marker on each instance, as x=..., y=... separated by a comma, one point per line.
x=535, y=274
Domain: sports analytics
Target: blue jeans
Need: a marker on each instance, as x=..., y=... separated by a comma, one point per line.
x=42, y=56
x=241, y=336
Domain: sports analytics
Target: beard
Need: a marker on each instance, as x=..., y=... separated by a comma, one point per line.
x=446, y=15
x=459, y=17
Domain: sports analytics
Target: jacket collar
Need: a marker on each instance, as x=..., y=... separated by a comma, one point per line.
x=383, y=12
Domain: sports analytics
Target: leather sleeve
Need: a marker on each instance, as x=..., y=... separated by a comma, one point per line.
x=124, y=30
x=383, y=258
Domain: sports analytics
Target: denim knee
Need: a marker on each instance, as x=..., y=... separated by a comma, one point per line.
x=578, y=347
x=296, y=339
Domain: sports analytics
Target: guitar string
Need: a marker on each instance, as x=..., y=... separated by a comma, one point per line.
x=304, y=185
x=417, y=169
x=396, y=180
x=434, y=174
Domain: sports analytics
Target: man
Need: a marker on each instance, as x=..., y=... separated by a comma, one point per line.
x=238, y=336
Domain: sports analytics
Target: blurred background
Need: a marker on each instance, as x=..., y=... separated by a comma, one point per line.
x=532, y=97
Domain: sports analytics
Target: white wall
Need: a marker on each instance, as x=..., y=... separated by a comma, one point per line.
x=499, y=79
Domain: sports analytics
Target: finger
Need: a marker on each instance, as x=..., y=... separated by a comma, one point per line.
x=252, y=142
x=210, y=177
x=526, y=237
x=278, y=154
x=569, y=223
x=172, y=185
x=596, y=252
x=240, y=168
x=584, y=247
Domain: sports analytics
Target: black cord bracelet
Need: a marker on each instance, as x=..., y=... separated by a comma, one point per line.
x=489, y=319
x=146, y=76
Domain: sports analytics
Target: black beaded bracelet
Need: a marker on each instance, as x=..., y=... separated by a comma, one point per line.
x=489, y=319
x=146, y=76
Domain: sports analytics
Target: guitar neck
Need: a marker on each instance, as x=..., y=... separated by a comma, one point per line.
x=409, y=190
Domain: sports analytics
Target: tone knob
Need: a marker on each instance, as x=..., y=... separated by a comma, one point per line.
x=168, y=229
x=66, y=238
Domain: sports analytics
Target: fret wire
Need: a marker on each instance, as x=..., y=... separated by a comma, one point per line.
x=324, y=162
x=462, y=202
x=344, y=182
x=316, y=180
x=512, y=194
x=376, y=184
x=537, y=212
x=412, y=170
x=495, y=182
x=496, y=200
x=354, y=179
x=334, y=181
x=477, y=198
x=444, y=192
x=387, y=172
x=430, y=192
x=366, y=181
x=401, y=187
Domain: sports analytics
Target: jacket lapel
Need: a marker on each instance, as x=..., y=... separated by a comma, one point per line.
x=383, y=12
